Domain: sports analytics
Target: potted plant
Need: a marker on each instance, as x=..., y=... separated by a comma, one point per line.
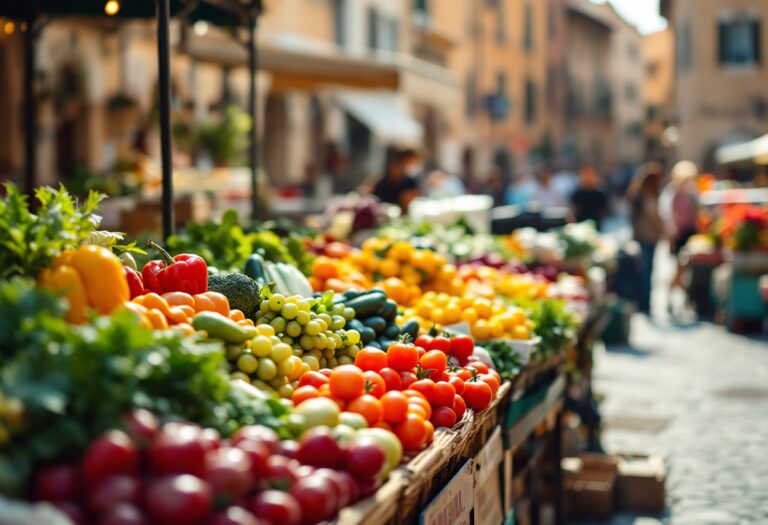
x=226, y=140
x=121, y=111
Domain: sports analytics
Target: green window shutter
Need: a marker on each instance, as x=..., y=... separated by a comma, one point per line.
x=756, y=41
x=722, y=39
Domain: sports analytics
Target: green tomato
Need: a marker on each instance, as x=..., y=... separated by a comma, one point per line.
x=276, y=302
x=296, y=423
x=349, y=313
x=353, y=419
x=319, y=411
x=261, y=346
x=234, y=351
x=343, y=433
x=248, y=363
x=267, y=369
x=281, y=352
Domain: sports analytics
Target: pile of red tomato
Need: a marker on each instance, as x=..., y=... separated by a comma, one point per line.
x=410, y=389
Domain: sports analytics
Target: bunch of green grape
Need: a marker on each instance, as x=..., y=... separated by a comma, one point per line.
x=317, y=334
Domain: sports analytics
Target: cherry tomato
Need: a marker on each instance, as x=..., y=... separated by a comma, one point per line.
x=416, y=409
x=443, y=394
x=434, y=360
x=370, y=358
x=367, y=406
x=391, y=379
x=477, y=394
x=412, y=433
x=346, y=382
x=303, y=393
x=394, y=406
x=458, y=384
x=462, y=346
x=429, y=428
x=481, y=367
x=441, y=343
x=423, y=403
x=491, y=381
x=374, y=384
x=464, y=374
x=424, y=341
x=384, y=425
x=402, y=356
x=443, y=417
x=326, y=372
x=426, y=387
x=459, y=406
x=312, y=378
x=407, y=378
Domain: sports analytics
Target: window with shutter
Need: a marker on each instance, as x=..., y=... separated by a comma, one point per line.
x=739, y=40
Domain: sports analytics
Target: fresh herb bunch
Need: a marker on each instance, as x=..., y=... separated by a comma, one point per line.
x=554, y=324
x=505, y=359
x=74, y=382
x=29, y=241
x=226, y=244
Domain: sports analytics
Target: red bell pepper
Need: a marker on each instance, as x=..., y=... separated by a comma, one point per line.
x=185, y=272
x=135, y=282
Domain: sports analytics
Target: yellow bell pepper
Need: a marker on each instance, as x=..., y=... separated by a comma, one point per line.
x=89, y=277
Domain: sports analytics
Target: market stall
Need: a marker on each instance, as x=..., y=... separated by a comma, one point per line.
x=267, y=371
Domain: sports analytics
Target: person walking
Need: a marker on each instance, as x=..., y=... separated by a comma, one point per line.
x=589, y=201
x=679, y=207
x=647, y=226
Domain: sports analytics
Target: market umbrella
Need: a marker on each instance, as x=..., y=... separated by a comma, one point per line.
x=231, y=13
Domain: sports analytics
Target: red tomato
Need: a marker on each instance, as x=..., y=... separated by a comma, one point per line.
x=303, y=393
x=424, y=341
x=374, y=384
x=394, y=406
x=477, y=394
x=407, y=378
x=459, y=406
x=462, y=346
x=492, y=382
x=458, y=384
x=443, y=394
x=426, y=387
x=416, y=409
x=402, y=356
x=481, y=367
x=370, y=358
x=434, y=360
x=429, y=428
x=443, y=417
x=464, y=374
x=421, y=402
x=312, y=378
x=346, y=382
x=326, y=372
x=441, y=343
x=391, y=379
x=412, y=433
x=112, y=453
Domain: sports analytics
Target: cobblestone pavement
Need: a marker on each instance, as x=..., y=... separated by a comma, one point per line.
x=699, y=396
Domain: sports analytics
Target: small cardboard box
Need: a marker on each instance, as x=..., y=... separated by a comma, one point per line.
x=641, y=482
x=488, y=494
x=590, y=481
x=453, y=505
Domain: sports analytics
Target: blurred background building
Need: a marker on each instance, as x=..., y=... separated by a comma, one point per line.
x=482, y=88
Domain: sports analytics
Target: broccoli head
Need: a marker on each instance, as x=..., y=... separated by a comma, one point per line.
x=242, y=292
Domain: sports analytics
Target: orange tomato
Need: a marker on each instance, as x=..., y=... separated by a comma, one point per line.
x=325, y=268
x=367, y=406
x=236, y=315
x=346, y=382
x=416, y=409
x=303, y=393
x=374, y=384
x=394, y=406
x=412, y=432
x=429, y=428
x=370, y=358
x=179, y=299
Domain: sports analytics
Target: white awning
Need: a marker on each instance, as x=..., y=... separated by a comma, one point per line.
x=754, y=151
x=385, y=113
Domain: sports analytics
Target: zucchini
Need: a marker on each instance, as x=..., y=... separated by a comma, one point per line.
x=377, y=323
x=392, y=331
x=350, y=294
x=375, y=344
x=384, y=342
x=389, y=311
x=254, y=268
x=367, y=334
x=411, y=328
x=367, y=304
x=355, y=324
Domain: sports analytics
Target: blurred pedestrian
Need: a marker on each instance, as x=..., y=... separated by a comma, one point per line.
x=647, y=225
x=589, y=201
x=547, y=193
x=493, y=186
x=521, y=191
x=679, y=207
x=398, y=186
x=438, y=183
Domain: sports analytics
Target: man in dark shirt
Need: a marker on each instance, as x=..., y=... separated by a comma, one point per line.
x=397, y=186
x=590, y=203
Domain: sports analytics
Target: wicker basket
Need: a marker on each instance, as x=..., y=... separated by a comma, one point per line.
x=379, y=508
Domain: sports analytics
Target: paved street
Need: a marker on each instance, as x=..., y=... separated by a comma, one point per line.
x=699, y=396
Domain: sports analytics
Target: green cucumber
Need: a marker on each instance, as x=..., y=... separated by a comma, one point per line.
x=219, y=327
x=392, y=331
x=367, y=335
x=389, y=311
x=411, y=328
x=355, y=324
x=254, y=268
x=379, y=324
x=375, y=344
x=367, y=304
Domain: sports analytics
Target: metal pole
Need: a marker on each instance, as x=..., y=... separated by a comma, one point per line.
x=164, y=85
x=253, y=146
x=30, y=111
